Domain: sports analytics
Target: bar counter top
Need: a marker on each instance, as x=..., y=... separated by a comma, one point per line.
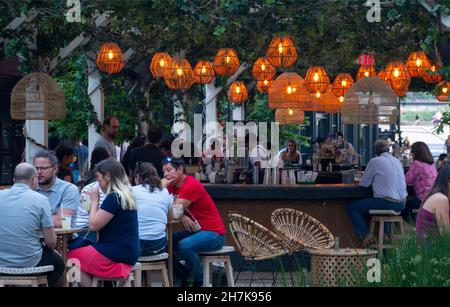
x=287, y=192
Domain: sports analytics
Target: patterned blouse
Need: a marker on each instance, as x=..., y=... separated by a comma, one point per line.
x=421, y=176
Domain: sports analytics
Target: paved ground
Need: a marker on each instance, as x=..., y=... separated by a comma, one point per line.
x=425, y=133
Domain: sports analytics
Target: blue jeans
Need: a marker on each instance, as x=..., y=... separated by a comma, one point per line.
x=153, y=247
x=187, y=245
x=360, y=207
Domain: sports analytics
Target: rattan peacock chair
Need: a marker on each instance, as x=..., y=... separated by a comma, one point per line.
x=255, y=242
x=301, y=232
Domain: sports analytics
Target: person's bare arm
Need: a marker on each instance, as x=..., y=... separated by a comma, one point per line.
x=442, y=219
x=187, y=222
x=49, y=237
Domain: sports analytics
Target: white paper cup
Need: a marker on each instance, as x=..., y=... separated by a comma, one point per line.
x=177, y=211
x=66, y=221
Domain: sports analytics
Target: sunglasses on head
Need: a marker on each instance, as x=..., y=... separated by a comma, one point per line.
x=174, y=161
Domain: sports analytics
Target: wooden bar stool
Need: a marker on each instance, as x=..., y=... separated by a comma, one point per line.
x=32, y=277
x=220, y=255
x=381, y=217
x=155, y=263
x=134, y=278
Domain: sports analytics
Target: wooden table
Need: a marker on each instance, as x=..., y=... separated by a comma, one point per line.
x=170, y=249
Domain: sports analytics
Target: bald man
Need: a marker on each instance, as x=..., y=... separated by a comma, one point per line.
x=23, y=212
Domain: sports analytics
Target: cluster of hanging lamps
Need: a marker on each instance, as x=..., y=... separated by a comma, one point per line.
x=160, y=64
x=226, y=62
x=110, y=58
x=204, y=72
x=281, y=51
x=341, y=85
x=366, y=71
x=237, y=92
x=443, y=91
x=179, y=75
x=317, y=80
x=417, y=64
x=432, y=75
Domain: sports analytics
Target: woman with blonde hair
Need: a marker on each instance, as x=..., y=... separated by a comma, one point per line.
x=117, y=249
x=290, y=154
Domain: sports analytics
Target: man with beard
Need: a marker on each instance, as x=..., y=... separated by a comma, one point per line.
x=110, y=130
x=63, y=196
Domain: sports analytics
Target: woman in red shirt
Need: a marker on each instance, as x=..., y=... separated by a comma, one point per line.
x=204, y=229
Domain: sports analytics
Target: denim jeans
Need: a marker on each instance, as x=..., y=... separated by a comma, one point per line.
x=153, y=247
x=187, y=245
x=358, y=208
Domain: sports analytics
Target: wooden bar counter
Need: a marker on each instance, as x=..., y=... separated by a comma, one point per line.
x=325, y=203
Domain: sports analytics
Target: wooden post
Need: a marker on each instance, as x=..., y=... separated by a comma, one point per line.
x=96, y=96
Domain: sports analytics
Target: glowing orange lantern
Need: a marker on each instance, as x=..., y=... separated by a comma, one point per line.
x=237, y=92
x=443, y=91
x=382, y=75
x=341, y=85
x=179, y=75
x=160, y=64
x=398, y=75
x=263, y=70
x=263, y=86
x=317, y=80
x=288, y=91
x=204, y=72
x=110, y=58
x=431, y=75
x=281, y=51
x=226, y=62
x=417, y=63
x=365, y=72
x=290, y=116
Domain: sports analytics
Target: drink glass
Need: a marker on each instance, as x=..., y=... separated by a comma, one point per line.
x=357, y=178
x=177, y=211
x=66, y=221
x=86, y=202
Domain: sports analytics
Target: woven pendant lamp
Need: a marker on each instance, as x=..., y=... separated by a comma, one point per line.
x=382, y=75
x=290, y=116
x=263, y=86
x=226, y=62
x=263, y=69
x=417, y=64
x=327, y=102
x=401, y=93
x=317, y=80
x=432, y=74
x=443, y=91
x=341, y=85
x=288, y=91
x=365, y=72
x=110, y=58
x=160, y=63
x=37, y=97
x=398, y=75
x=180, y=75
x=281, y=51
x=237, y=92
x=204, y=72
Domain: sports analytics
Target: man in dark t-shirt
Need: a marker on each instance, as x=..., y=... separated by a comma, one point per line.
x=149, y=152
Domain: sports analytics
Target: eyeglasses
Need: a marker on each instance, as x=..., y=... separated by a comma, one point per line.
x=174, y=161
x=43, y=168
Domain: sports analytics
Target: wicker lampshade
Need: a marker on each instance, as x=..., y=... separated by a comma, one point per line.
x=37, y=96
x=432, y=74
x=365, y=72
x=160, y=63
x=417, y=63
x=237, y=92
x=327, y=102
x=382, y=75
x=290, y=116
x=263, y=86
x=443, y=91
x=263, y=69
x=288, y=91
x=341, y=84
x=282, y=52
x=317, y=80
x=398, y=75
x=401, y=92
x=370, y=101
x=204, y=72
x=110, y=58
x=226, y=62
x=179, y=75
